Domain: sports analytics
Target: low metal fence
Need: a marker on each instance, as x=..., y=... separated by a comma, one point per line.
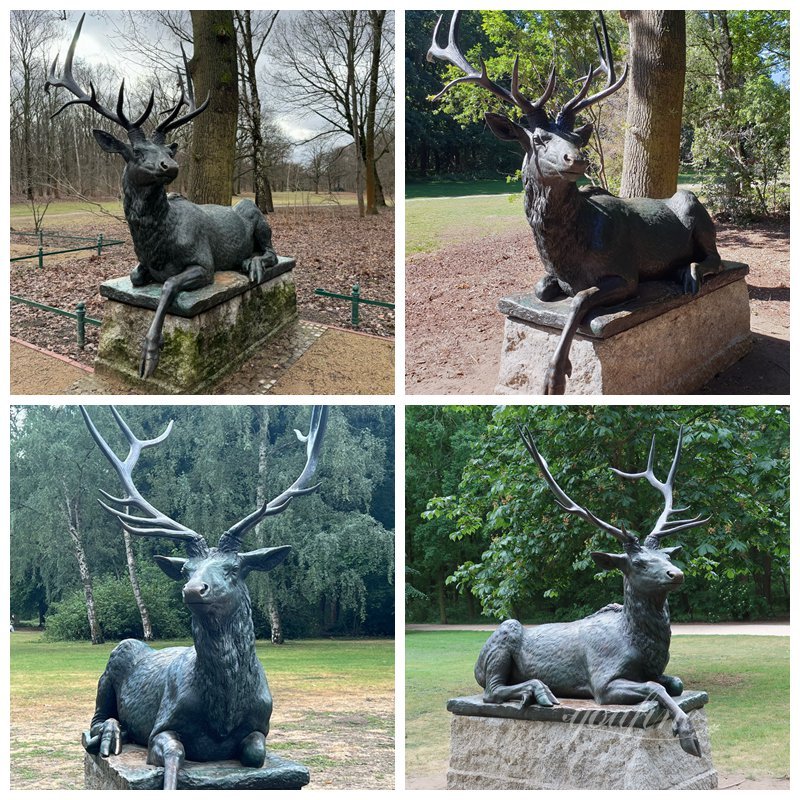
x=356, y=300
x=79, y=315
x=97, y=244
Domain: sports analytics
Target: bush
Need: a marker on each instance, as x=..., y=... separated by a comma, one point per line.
x=116, y=609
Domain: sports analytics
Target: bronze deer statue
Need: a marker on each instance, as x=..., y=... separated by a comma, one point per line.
x=178, y=243
x=617, y=654
x=595, y=247
x=211, y=701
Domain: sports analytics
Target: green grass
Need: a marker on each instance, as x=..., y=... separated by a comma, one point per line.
x=746, y=677
x=436, y=222
x=460, y=188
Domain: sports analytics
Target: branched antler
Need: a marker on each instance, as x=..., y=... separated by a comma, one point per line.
x=163, y=526
x=173, y=121
x=664, y=525
x=231, y=540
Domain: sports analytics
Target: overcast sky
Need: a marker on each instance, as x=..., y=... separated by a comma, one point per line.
x=100, y=43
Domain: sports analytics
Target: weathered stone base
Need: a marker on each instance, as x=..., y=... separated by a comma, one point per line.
x=207, y=334
x=663, y=342
x=130, y=770
x=588, y=747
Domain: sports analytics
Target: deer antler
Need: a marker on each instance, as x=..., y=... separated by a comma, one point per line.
x=82, y=97
x=628, y=540
x=165, y=527
x=173, y=121
x=566, y=117
x=664, y=526
x=534, y=110
x=231, y=540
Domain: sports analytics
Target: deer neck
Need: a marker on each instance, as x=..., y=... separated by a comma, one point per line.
x=552, y=210
x=647, y=624
x=146, y=211
x=227, y=671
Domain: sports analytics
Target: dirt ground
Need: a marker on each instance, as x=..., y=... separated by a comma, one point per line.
x=326, y=361
x=334, y=249
x=437, y=779
x=454, y=332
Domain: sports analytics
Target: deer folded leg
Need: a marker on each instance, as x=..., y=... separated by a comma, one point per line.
x=672, y=684
x=628, y=692
x=166, y=750
x=529, y=693
x=253, y=750
x=608, y=291
x=192, y=278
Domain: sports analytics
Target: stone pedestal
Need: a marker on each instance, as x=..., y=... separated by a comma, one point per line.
x=207, y=333
x=577, y=745
x=130, y=770
x=661, y=342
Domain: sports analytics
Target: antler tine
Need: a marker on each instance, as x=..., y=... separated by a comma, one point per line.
x=231, y=540
x=173, y=121
x=569, y=505
x=166, y=526
x=566, y=117
x=452, y=54
x=664, y=526
x=67, y=81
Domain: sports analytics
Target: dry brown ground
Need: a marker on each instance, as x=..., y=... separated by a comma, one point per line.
x=454, y=332
x=345, y=738
x=333, y=247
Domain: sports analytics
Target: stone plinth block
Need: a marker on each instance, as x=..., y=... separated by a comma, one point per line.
x=661, y=342
x=577, y=745
x=130, y=770
x=207, y=333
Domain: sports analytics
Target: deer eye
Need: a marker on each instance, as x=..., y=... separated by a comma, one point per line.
x=540, y=140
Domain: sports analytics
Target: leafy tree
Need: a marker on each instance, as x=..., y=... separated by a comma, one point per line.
x=734, y=469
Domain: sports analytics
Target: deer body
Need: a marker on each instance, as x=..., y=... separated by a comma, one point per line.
x=617, y=654
x=211, y=701
x=595, y=247
x=178, y=243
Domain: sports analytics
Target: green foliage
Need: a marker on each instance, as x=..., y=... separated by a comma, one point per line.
x=738, y=109
x=521, y=556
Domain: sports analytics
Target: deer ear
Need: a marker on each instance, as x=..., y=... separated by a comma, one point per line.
x=585, y=133
x=172, y=567
x=503, y=128
x=611, y=560
x=111, y=144
x=672, y=551
x=264, y=560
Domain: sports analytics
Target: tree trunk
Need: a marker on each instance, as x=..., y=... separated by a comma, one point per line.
x=147, y=628
x=376, y=27
x=275, y=625
x=213, y=70
x=354, y=121
x=442, y=600
x=74, y=524
x=655, y=102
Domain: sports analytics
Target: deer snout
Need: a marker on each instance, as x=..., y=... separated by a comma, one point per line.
x=195, y=592
x=575, y=161
x=675, y=575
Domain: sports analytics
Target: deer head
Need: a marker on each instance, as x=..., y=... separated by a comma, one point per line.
x=149, y=161
x=214, y=576
x=553, y=147
x=645, y=564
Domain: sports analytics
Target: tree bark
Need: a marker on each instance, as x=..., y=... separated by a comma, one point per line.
x=275, y=624
x=147, y=628
x=651, y=158
x=213, y=70
x=74, y=526
x=376, y=28
x=354, y=121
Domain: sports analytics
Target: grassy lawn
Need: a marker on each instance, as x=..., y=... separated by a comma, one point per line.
x=78, y=211
x=433, y=223
x=334, y=708
x=746, y=677
x=460, y=188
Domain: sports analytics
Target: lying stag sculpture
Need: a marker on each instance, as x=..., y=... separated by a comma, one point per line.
x=617, y=654
x=211, y=701
x=595, y=247
x=178, y=243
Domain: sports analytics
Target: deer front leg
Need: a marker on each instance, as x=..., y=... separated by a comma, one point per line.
x=628, y=692
x=253, y=750
x=166, y=750
x=607, y=292
x=531, y=692
x=192, y=278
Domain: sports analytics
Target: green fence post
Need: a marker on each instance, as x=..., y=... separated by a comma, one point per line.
x=356, y=294
x=41, y=242
x=80, y=314
x=41, y=257
x=100, y=244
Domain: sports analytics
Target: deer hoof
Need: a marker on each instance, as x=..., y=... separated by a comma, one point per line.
x=105, y=739
x=555, y=382
x=684, y=730
x=688, y=279
x=149, y=362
